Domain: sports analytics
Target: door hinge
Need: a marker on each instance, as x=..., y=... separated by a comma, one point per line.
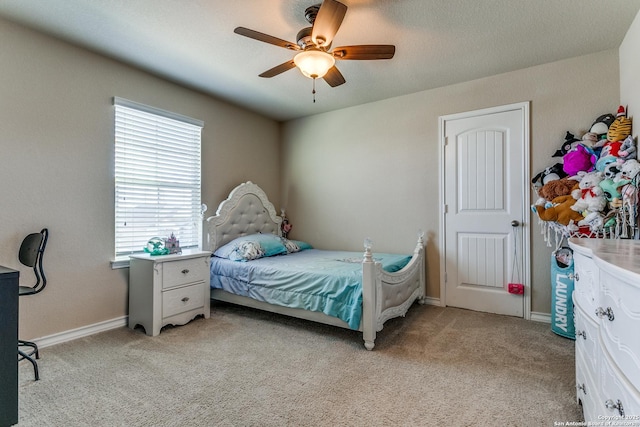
x=446, y=140
x=445, y=209
x=445, y=277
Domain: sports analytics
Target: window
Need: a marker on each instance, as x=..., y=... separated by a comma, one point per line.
x=157, y=177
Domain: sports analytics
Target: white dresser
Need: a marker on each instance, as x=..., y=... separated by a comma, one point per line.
x=168, y=289
x=607, y=322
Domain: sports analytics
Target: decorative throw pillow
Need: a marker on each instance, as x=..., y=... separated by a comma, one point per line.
x=250, y=247
x=246, y=251
x=295, y=245
x=290, y=245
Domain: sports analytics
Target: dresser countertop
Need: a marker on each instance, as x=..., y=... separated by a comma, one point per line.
x=617, y=256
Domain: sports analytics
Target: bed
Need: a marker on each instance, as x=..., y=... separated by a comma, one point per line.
x=358, y=291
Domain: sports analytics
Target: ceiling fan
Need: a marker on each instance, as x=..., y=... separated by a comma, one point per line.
x=315, y=59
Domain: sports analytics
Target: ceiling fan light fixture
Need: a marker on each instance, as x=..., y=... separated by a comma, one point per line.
x=314, y=63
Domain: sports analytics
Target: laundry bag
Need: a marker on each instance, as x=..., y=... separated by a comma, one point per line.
x=562, y=322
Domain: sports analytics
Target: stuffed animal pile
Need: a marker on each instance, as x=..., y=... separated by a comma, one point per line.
x=594, y=190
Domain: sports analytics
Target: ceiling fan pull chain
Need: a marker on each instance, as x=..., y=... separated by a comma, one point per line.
x=314, y=90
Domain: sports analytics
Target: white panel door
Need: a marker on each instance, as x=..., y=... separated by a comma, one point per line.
x=485, y=175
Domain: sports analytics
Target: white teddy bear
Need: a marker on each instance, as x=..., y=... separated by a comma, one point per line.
x=629, y=169
x=589, y=197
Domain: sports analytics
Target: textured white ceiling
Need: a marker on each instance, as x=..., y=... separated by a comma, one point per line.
x=438, y=42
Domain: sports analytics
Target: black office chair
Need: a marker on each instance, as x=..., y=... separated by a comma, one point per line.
x=31, y=252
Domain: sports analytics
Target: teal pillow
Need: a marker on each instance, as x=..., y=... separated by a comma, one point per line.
x=295, y=245
x=303, y=245
x=250, y=247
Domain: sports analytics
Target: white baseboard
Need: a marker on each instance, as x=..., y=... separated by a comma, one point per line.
x=541, y=317
x=535, y=316
x=83, y=331
x=433, y=301
x=119, y=322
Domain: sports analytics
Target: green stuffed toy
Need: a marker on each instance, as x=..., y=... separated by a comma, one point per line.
x=612, y=191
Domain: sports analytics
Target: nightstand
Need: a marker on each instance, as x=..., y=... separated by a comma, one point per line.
x=168, y=289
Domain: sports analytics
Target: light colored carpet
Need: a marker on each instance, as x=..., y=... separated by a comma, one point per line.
x=436, y=367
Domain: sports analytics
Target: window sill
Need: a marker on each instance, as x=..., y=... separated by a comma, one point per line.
x=119, y=263
x=123, y=262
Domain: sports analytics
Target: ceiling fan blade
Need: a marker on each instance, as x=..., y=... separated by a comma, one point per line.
x=256, y=35
x=365, y=51
x=327, y=22
x=334, y=77
x=278, y=69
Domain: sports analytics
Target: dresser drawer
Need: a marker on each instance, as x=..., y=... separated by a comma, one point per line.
x=617, y=393
x=179, y=300
x=620, y=324
x=181, y=272
x=587, y=392
x=585, y=283
x=586, y=338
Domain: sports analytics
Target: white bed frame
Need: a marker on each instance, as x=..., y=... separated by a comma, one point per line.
x=385, y=295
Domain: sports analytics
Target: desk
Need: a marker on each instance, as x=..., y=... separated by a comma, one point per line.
x=9, y=280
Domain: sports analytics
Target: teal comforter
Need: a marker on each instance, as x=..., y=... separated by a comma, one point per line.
x=326, y=281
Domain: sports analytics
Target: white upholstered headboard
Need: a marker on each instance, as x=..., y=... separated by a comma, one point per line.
x=247, y=210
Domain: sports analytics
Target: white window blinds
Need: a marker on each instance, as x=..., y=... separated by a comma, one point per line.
x=157, y=177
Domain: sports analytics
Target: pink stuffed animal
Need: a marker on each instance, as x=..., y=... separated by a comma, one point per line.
x=580, y=159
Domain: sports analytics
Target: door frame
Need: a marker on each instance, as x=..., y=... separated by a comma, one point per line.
x=524, y=108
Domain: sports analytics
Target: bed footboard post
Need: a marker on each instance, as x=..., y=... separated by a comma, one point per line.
x=204, y=229
x=369, y=317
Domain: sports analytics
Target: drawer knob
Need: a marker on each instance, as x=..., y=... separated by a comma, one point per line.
x=185, y=271
x=617, y=405
x=185, y=299
x=582, y=334
x=583, y=388
x=601, y=312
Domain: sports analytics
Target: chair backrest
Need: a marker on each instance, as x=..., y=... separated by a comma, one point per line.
x=31, y=252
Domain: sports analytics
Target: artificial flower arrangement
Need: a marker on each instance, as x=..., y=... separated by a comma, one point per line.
x=286, y=226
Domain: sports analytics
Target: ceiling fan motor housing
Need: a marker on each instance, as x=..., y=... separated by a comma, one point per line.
x=305, y=41
x=311, y=12
x=304, y=38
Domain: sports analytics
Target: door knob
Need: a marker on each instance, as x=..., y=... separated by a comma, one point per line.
x=515, y=223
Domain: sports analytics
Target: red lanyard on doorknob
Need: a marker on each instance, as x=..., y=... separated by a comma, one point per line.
x=515, y=286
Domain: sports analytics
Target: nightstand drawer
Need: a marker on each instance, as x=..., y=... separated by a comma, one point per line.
x=184, y=299
x=182, y=272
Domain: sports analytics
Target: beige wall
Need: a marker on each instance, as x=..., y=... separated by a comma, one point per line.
x=372, y=170
x=56, y=148
x=630, y=72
